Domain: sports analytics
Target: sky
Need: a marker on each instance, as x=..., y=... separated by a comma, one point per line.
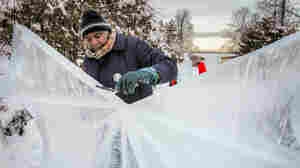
x=207, y=15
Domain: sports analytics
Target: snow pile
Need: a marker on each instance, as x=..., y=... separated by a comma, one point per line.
x=3, y=66
x=274, y=68
x=261, y=91
x=217, y=121
x=4, y=77
x=268, y=63
x=63, y=100
x=40, y=70
x=250, y=101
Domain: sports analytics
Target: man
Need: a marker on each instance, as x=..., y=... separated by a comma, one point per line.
x=109, y=54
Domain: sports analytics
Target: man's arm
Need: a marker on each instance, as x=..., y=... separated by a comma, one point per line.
x=155, y=58
x=91, y=67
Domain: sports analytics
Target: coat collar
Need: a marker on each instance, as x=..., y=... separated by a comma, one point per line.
x=120, y=42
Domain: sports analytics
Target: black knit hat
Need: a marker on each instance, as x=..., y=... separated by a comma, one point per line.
x=91, y=22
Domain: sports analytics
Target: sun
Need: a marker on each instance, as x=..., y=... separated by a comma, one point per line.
x=210, y=43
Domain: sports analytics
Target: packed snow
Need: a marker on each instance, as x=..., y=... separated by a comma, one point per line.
x=239, y=114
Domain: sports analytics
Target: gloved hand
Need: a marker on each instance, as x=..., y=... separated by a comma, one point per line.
x=131, y=80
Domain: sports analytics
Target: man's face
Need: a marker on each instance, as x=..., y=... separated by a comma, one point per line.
x=96, y=40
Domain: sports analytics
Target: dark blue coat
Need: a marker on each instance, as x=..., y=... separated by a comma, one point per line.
x=130, y=54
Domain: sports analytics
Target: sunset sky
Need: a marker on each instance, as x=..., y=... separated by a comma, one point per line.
x=207, y=16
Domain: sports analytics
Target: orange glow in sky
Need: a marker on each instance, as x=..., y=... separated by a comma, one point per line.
x=210, y=43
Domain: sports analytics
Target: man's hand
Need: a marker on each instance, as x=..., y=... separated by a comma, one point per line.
x=130, y=81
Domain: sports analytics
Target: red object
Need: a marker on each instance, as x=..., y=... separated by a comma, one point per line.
x=173, y=82
x=201, y=68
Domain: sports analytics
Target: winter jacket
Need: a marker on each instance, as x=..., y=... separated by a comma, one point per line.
x=130, y=54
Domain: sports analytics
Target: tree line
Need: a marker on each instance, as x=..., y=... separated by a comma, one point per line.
x=57, y=22
x=271, y=20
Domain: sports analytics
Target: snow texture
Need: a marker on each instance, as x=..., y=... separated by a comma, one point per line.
x=239, y=114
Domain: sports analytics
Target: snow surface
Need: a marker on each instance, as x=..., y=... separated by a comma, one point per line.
x=3, y=76
x=238, y=114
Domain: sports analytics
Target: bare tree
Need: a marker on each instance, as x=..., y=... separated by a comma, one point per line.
x=285, y=11
x=241, y=19
x=185, y=29
x=254, y=18
x=282, y=13
x=183, y=19
x=264, y=32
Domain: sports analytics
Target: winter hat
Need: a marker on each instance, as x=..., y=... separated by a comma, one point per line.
x=92, y=22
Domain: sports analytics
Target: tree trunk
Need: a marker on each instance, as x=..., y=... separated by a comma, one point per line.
x=283, y=6
x=275, y=9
